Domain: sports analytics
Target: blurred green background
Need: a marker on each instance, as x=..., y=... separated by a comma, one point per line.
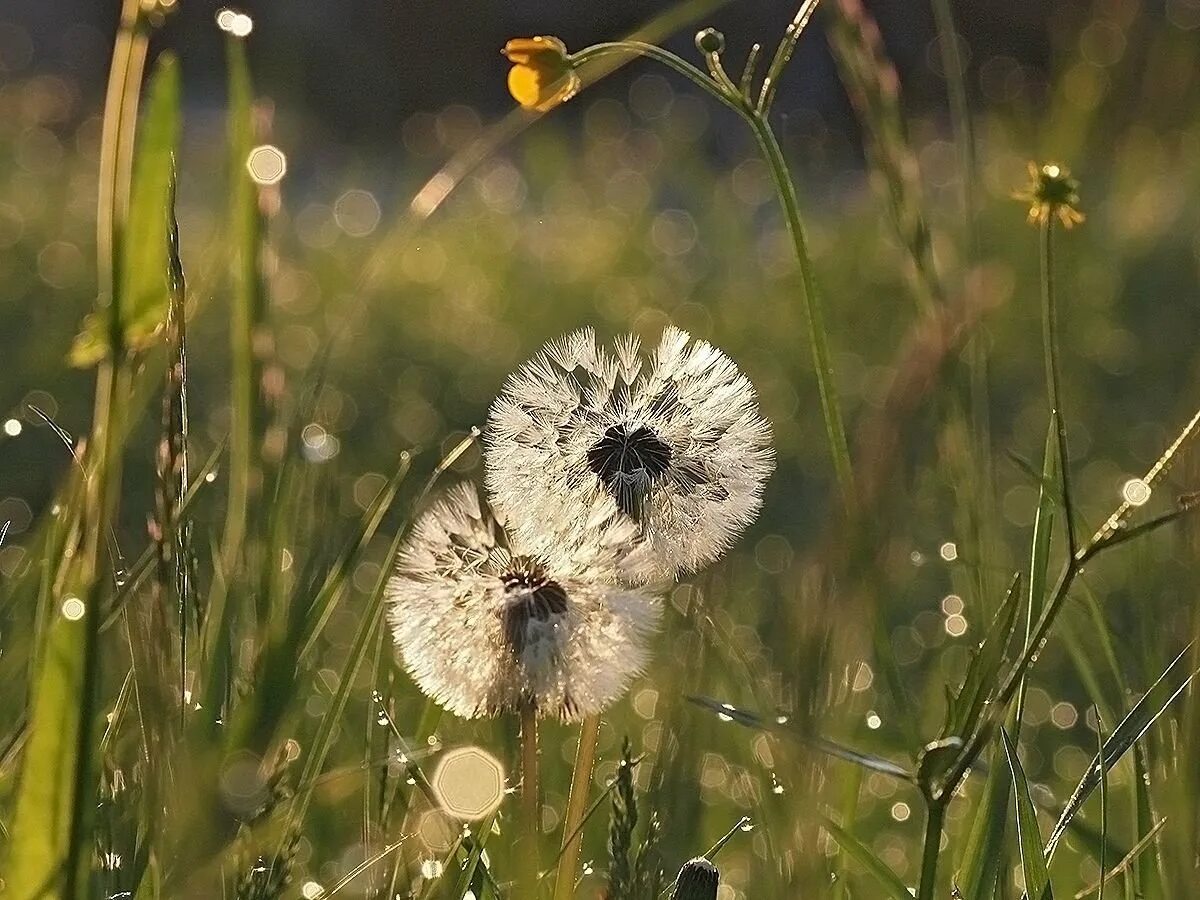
x=637, y=205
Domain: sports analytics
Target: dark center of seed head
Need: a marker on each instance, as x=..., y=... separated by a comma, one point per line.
x=534, y=597
x=628, y=461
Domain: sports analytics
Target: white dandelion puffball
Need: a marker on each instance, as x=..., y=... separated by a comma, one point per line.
x=484, y=629
x=675, y=441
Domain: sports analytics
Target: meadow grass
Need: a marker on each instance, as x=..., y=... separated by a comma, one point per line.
x=954, y=657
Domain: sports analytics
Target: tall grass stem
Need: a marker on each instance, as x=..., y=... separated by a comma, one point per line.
x=934, y=815
x=1054, y=374
x=835, y=428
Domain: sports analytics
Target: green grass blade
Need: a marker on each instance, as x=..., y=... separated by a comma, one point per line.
x=46, y=796
x=1124, y=865
x=1173, y=681
x=984, y=851
x=471, y=866
x=1043, y=526
x=1148, y=872
x=246, y=298
x=1029, y=839
x=144, y=295
x=729, y=712
x=1103, y=805
x=333, y=588
x=984, y=667
x=862, y=854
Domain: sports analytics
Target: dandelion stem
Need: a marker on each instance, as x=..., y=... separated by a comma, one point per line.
x=834, y=428
x=1053, y=374
x=531, y=811
x=581, y=780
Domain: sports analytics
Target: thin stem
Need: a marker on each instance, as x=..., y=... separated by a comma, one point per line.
x=818, y=342
x=747, y=79
x=783, y=53
x=1054, y=374
x=960, y=113
x=1103, y=802
x=531, y=811
x=577, y=801
x=756, y=119
x=935, y=813
x=666, y=57
x=120, y=118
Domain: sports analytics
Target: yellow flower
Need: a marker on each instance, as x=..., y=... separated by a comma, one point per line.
x=1051, y=192
x=542, y=75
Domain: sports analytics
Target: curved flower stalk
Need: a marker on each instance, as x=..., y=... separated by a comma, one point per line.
x=670, y=446
x=754, y=107
x=486, y=625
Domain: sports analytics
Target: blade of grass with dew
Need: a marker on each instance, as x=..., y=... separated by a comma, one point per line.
x=143, y=244
x=1103, y=804
x=159, y=675
x=879, y=870
x=53, y=805
x=364, y=866
x=470, y=868
x=986, y=660
x=246, y=298
x=1125, y=865
x=1153, y=703
x=850, y=789
x=372, y=620
x=1033, y=864
x=274, y=672
x=413, y=772
x=1148, y=876
x=587, y=816
x=54, y=799
x=985, y=851
x=748, y=719
x=1043, y=526
x=332, y=590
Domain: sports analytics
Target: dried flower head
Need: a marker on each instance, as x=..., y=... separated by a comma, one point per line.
x=484, y=628
x=697, y=880
x=1051, y=192
x=542, y=75
x=673, y=444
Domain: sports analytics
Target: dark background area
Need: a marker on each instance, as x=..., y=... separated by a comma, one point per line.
x=359, y=68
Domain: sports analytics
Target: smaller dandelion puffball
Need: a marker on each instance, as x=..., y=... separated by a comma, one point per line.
x=674, y=441
x=485, y=629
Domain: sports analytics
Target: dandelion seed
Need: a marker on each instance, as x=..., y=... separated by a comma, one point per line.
x=673, y=444
x=484, y=629
x=542, y=75
x=1051, y=192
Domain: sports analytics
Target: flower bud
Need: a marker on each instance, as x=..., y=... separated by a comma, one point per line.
x=697, y=880
x=710, y=41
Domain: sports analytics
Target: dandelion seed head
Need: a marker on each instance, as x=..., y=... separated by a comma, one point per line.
x=484, y=630
x=671, y=443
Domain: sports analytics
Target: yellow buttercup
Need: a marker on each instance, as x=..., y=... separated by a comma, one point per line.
x=542, y=75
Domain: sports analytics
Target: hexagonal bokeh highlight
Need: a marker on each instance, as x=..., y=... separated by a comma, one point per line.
x=468, y=783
